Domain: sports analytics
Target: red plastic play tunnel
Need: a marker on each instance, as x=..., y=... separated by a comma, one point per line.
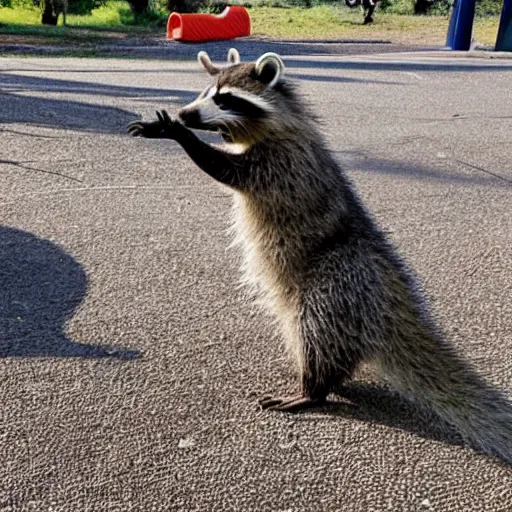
x=231, y=22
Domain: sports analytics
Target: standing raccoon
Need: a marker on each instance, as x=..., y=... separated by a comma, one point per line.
x=335, y=284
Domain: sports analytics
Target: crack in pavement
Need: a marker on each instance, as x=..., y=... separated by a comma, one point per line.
x=20, y=165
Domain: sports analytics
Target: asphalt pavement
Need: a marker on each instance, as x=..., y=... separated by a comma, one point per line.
x=130, y=360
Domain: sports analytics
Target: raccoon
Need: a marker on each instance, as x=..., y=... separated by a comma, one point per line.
x=315, y=256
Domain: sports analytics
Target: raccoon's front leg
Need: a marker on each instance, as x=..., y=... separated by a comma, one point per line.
x=222, y=166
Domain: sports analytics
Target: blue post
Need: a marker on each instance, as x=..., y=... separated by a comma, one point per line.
x=504, y=39
x=451, y=26
x=461, y=25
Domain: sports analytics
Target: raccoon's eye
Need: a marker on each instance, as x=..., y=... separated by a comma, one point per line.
x=222, y=106
x=223, y=101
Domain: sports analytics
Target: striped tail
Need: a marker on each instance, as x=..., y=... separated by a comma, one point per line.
x=432, y=373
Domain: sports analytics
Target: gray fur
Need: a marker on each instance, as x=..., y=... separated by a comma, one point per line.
x=329, y=276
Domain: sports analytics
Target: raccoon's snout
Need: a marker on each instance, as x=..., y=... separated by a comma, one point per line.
x=190, y=118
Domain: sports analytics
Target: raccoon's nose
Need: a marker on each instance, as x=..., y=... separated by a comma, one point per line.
x=190, y=117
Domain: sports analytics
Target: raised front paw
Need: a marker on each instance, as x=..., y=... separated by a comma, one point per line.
x=163, y=128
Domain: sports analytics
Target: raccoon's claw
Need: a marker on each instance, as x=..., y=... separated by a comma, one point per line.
x=149, y=130
x=164, y=118
x=161, y=129
x=290, y=404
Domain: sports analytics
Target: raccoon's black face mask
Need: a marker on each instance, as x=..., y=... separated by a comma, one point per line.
x=236, y=104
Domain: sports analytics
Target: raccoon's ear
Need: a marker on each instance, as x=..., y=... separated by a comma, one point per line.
x=233, y=56
x=205, y=61
x=269, y=68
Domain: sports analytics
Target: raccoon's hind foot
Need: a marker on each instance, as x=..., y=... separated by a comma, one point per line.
x=292, y=403
x=163, y=128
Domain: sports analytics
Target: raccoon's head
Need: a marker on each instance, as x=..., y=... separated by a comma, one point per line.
x=243, y=101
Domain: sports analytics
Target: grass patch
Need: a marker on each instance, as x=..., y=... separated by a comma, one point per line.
x=110, y=15
x=330, y=22
x=114, y=16
x=109, y=22
x=115, y=20
x=19, y=16
x=485, y=30
x=326, y=21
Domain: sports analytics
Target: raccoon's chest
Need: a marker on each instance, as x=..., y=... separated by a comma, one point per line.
x=271, y=249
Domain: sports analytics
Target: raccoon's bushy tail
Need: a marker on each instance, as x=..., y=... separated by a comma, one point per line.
x=432, y=373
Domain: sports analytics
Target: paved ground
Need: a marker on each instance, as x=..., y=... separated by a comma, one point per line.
x=130, y=364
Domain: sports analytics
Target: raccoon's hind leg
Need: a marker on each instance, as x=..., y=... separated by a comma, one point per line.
x=327, y=360
x=313, y=393
x=293, y=403
x=316, y=383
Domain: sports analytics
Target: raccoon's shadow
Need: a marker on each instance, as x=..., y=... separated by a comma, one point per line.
x=371, y=403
